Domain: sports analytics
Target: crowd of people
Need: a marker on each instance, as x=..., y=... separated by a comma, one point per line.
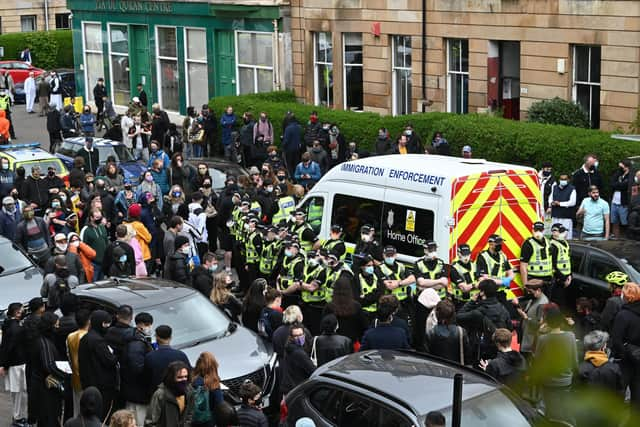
x=309, y=297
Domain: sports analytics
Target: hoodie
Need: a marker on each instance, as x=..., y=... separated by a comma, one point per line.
x=98, y=364
x=625, y=328
x=4, y=125
x=508, y=367
x=90, y=409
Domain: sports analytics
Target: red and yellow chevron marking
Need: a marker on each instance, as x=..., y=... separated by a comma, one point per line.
x=502, y=202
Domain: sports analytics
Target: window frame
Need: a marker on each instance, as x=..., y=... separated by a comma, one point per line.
x=34, y=18
x=591, y=85
x=159, y=59
x=112, y=53
x=345, y=66
x=87, y=83
x=62, y=17
x=395, y=69
x=316, y=63
x=188, y=61
x=451, y=73
x=254, y=68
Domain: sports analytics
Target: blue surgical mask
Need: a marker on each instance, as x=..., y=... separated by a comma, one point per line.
x=563, y=183
x=123, y=258
x=288, y=253
x=389, y=260
x=368, y=269
x=213, y=268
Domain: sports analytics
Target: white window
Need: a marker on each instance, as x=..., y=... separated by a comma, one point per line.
x=167, y=66
x=401, y=79
x=323, y=69
x=458, y=76
x=352, y=73
x=196, y=66
x=93, y=61
x=586, y=81
x=28, y=23
x=254, y=53
x=119, y=64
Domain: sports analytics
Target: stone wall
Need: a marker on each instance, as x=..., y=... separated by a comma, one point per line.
x=12, y=10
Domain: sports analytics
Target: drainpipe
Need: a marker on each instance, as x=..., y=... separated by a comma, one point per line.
x=46, y=15
x=424, y=53
x=276, y=50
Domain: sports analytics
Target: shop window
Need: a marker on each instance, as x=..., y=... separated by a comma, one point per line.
x=93, y=60
x=406, y=228
x=196, y=66
x=255, y=62
x=167, y=65
x=352, y=212
x=28, y=23
x=119, y=55
x=352, y=60
x=586, y=81
x=458, y=76
x=401, y=80
x=323, y=69
x=62, y=21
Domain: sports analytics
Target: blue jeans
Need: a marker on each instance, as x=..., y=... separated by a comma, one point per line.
x=98, y=274
x=619, y=214
x=197, y=150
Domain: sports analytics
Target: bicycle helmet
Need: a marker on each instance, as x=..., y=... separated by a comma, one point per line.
x=617, y=278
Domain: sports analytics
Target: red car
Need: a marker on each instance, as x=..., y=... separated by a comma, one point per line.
x=20, y=70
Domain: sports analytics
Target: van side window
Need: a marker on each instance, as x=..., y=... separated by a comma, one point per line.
x=314, y=208
x=407, y=228
x=353, y=212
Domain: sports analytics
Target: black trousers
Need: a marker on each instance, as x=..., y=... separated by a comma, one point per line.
x=12, y=132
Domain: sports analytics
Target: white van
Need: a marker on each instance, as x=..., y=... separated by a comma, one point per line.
x=410, y=199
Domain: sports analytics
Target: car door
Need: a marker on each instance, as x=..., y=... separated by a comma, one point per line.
x=599, y=265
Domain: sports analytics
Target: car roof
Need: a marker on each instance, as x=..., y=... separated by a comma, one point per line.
x=139, y=293
x=27, y=153
x=619, y=248
x=220, y=164
x=404, y=375
x=100, y=142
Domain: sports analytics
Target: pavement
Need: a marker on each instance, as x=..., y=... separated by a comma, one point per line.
x=29, y=127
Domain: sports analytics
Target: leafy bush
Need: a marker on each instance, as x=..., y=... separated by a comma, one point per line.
x=49, y=49
x=558, y=111
x=492, y=138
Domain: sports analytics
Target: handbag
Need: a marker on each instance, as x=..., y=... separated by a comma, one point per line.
x=461, y=344
x=314, y=355
x=54, y=383
x=198, y=137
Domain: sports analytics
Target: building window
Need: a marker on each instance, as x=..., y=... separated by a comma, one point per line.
x=352, y=60
x=167, y=54
x=401, y=79
x=28, y=23
x=586, y=81
x=458, y=76
x=196, y=66
x=323, y=69
x=62, y=21
x=93, y=62
x=255, y=62
x=119, y=55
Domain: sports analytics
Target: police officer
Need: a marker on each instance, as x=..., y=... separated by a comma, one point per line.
x=464, y=275
x=535, y=258
x=493, y=264
x=313, y=291
x=271, y=248
x=290, y=274
x=371, y=286
x=561, y=264
x=335, y=270
x=430, y=271
x=367, y=245
x=5, y=105
x=286, y=206
x=397, y=281
x=253, y=249
x=303, y=231
x=335, y=243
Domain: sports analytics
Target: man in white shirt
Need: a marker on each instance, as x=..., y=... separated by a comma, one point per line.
x=30, y=92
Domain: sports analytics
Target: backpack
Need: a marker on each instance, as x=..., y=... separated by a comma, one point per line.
x=264, y=324
x=201, y=409
x=58, y=291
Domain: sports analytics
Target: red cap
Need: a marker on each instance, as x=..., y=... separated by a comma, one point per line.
x=135, y=210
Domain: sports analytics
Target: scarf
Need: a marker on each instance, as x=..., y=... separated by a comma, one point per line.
x=597, y=358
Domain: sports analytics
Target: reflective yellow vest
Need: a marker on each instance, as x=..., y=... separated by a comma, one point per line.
x=401, y=292
x=368, y=289
x=310, y=273
x=469, y=276
x=492, y=263
x=332, y=276
x=563, y=262
x=304, y=244
x=289, y=264
x=315, y=216
x=269, y=256
x=421, y=266
x=251, y=252
x=255, y=207
x=538, y=265
x=286, y=206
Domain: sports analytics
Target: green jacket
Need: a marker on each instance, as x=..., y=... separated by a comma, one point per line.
x=163, y=411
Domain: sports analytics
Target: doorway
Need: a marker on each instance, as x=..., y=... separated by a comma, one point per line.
x=503, y=78
x=226, y=63
x=140, y=67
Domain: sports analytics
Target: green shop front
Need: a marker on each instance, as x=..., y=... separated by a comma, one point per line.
x=183, y=52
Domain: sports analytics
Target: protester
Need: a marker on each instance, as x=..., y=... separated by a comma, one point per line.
x=73, y=344
x=625, y=339
x=329, y=345
x=90, y=414
x=385, y=335
x=156, y=362
x=13, y=362
x=448, y=340
x=207, y=380
x=221, y=295
x=296, y=366
x=250, y=412
x=172, y=403
x=509, y=366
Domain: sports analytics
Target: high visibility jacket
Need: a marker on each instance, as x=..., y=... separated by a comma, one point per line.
x=286, y=206
x=540, y=265
x=401, y=292
x=495, y=269
x=367, y=288
x=251, y=252
x=563, y=263
x=331, y=278
x=469, y=276
x=330, y=244
x=311, y=273
x=255, y=207
x=422, y=267
x=289, y=265
x=315, y=216
x=236, y=215
x=298, y=230
x=5, y=102
x=269, y=256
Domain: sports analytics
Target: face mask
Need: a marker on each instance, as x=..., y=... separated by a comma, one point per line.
x=389, y=261
x=288, y=253
x=29, y=215
x=14, y=195
x=213, y=268
x=149, y=178
x=369, y=270
x=5, y=165
x=563, y=183
x=147, y=331
x=365, y=237
x=185, y=250
x=281, y=178
x=75, y=243
x=432, y=255
x=269, y=189
x=465, y=259
x=313, y=262
x=537, y=235
x=62, y=246
x=181, y=388
x=562, y=235
x=179, y=163
x=63, y=197
x=498, y=247
x=123, y=259
x=546, y=173
x=300, y=340
x=382, y=135
x=408, y=132
x=595, y=165
x=55, y=205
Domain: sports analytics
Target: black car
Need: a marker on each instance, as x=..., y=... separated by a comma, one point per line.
x=20, y=278
x=378, y=388
x=67, y=77
x=591, y=261
x=198, y=325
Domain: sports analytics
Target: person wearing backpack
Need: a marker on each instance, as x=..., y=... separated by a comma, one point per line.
x=57, y=284
x=207, y=393
x=271, y=315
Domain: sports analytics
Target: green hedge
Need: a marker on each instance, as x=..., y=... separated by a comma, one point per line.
x=49, y=49
x=492, y=138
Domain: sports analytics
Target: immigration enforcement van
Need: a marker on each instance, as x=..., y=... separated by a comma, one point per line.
x=410, y=199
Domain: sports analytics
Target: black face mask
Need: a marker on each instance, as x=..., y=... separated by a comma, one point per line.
x=62, y=272
x=498, y=247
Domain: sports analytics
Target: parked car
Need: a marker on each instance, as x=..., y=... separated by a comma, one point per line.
x=20, y=278
x=29, y=155
x=131, y=167
x=591, y=261
x=67, y=77
x=198, y=325
x=19, y=70
x=398, y=388
x=219, y=169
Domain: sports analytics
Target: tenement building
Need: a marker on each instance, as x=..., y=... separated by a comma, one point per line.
x=23, y=16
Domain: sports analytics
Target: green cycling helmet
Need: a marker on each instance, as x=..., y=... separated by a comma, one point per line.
x=617, y=278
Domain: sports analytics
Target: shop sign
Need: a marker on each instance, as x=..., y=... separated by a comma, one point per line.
x=134, y=6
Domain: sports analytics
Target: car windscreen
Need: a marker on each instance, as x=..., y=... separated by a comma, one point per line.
x=193, y=319
x=218, y=178
x=12, y=260
x=69, y=149
x=120, y=152
x=489, y=410
x=44, y=166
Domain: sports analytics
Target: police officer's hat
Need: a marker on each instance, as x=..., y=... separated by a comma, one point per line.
x=300, y=212
x=312, y=254
x=430, y=244
x=272, y=229
x=558, y=227
x=389, y=250
x=253, y=219
x=291, y=244
x=332, y=255
x=336, y=228
x=365, y=229
x=464, y=249
x=245, y=203
x=495, y=238
x=538, y=226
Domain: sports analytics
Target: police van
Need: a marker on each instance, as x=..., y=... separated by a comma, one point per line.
x=411, y=199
